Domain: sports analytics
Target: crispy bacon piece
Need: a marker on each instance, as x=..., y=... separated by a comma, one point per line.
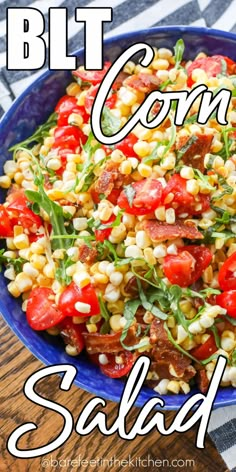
x=103, y=343
x=110, y=178
x=202, y=380
x=160, y=231
x=143, y=82
x=131, y=287
x=195, y=153
x=119, y=80
x=87, y=254
x=164, y=355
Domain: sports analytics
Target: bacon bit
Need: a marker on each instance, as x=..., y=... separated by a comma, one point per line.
x=103, y=343
x=143, y=82
x=87, y=254
x=131, y=287
x=194, y=155
x=119, y=80
x=202, y=380
x=110, y=178
x=165, y=354
x=160, y=231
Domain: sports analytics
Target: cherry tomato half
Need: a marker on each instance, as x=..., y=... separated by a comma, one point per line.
x=114, y=370
x=183, y=201
x=90, y=97
x=226, y=277
x=211, y=65
x=42, y=312
x=65, y=107
x=227, y=300
x=187, y=266
x=73, y=294
x=102, y=234
x=94, y=77
x=68, y=137
x=127, y=145
x=6, y=227
x=18, y=207
x=72, y=333
x=147, y=197
x=205, y=350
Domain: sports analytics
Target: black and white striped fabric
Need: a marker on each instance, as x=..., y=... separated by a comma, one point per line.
x=132, y=15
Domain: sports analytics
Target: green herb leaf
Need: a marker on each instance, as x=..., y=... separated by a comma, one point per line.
x=8, y=261
x=177, y=346
x=214, y=330
x=41, y=132
x=204, y=179
x=233, y=358
x=110, y=123
x=179, y=51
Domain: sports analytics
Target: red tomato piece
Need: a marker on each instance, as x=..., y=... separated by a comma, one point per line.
x=66, y=106
x=68, y=137
x=114, y=370
x=114, y=195
x=205, y=350
x=211, y=65
x=227, y=300
x=226, y=277
x=126, y=146
x=6, y=227
x=19, y=209
x=72, y=333
x=42, y=312
x=183, y=201
x=187, y=266
x=177, y=268
x=73, y=294
x=147, y=198
x=90, y=97
x=102, y=234
x=94, y=77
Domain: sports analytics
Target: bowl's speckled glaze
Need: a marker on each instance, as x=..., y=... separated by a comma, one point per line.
x=33, y=108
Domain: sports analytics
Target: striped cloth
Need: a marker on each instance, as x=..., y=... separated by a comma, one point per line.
x=132, y=15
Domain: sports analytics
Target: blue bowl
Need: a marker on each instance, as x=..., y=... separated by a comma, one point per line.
x=33, y=108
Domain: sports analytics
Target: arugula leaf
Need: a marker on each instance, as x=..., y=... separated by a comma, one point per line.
x=116, y=222
x=150, y=306
x=231, y=320
x=8, y=261
x=153, y=156
x=172, y=137
x=105, y=314
x=221, y=211
x=110, y=123
x=228, y=190
x=41, y=132
x=61, y=274
x=130, y=310
x=214, y=330
x=130, y=194
x=177, y=346
x=179, y=51
x=85, y=179
x=233, y=361
x=55, y=213
x=204, y=179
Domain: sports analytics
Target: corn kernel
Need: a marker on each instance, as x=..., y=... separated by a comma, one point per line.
x=21, y=241
x=141, y=148
x=82, y=279
x=115, y=323
x=23, y=282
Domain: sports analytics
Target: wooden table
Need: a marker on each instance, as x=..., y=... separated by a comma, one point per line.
x=17, y=364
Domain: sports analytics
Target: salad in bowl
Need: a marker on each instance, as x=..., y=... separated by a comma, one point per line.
x=130, y=249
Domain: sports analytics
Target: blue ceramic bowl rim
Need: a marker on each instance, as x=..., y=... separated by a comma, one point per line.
x=219, y=402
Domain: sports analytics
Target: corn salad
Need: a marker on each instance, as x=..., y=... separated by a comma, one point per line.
x=130, y=249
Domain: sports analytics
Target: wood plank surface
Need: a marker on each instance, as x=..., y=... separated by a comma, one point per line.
x=17, y=363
